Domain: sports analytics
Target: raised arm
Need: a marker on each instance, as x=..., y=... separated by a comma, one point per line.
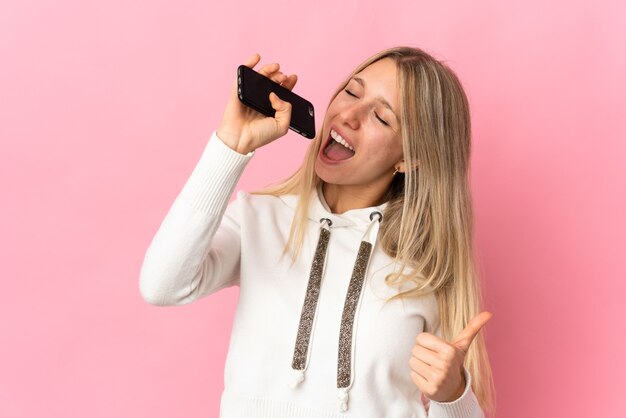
x=196, y=250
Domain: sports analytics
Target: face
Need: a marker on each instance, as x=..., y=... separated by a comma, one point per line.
x=361, y=142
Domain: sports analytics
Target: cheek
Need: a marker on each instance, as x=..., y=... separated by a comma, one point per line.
x=330, y=111
x=384, y=155
x=395, y=148
x=332, y=107
x=389, y=149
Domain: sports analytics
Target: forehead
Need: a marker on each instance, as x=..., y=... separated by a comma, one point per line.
x=381, y=78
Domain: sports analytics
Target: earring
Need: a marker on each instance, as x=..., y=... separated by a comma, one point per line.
x=394, y=173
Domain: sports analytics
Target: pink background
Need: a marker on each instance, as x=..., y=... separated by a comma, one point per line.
x=105, y=107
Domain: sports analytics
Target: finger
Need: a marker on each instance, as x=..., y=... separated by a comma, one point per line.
x=268, y=69
x=278, y=77
x=421, y=368
x=427, y=356
x=432, y=342
x=290, y=82
x=253, y=60
x=283, y=111
x=250, y=62
x=465, y=338
x=419, y=380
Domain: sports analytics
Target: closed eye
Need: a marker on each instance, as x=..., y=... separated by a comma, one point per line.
x=379, y=118
x=349, y=92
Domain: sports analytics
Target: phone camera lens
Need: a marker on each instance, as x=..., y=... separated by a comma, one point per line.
x=310, y=111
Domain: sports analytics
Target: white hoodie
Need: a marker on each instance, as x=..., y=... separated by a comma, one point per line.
x=312, y=339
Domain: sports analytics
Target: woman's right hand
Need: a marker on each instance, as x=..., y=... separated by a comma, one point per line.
x=244, y=129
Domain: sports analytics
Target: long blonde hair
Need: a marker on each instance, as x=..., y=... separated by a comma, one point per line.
x=428, y=223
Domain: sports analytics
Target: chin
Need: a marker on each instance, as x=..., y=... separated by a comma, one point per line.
x=327, y=175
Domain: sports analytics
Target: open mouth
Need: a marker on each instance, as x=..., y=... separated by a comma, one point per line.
x=337, y=149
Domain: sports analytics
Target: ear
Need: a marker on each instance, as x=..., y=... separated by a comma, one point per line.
x=401, y=166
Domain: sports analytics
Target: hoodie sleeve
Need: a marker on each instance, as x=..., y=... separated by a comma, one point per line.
x=466, y=406
x=196, y=250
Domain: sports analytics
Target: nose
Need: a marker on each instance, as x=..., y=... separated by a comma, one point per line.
x=352, y=114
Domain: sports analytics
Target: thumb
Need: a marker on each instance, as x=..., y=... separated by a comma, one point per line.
x=283, y=111
x=253, y=60
x=465, y=338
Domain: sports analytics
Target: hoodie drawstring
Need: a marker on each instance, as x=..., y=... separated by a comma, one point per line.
x=301, y=351
x=349, y=318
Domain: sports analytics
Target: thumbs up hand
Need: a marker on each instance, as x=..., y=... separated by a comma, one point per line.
x=437, y=366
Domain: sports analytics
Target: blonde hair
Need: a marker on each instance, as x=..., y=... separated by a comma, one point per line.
x=427, y=224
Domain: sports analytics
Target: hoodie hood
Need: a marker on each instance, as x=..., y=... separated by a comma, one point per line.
x=319, y=212
x=318, y=208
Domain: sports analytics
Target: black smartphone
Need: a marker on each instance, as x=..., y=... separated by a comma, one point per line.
x=253, y=90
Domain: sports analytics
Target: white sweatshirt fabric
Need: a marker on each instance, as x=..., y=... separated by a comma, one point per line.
x=205, y=244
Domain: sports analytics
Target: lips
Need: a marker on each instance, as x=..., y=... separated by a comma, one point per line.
x=337, y=137
x=336, y=149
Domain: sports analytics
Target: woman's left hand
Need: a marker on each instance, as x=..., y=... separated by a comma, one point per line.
x=437, y=366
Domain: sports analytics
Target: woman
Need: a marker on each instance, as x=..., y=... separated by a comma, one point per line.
x=375, y=312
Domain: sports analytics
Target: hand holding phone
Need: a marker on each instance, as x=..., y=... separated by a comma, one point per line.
x=254, y=90
x=244, y=129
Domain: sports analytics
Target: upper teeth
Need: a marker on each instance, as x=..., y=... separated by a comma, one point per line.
x=334, y=135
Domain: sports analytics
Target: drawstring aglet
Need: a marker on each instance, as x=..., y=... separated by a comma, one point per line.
x=343, y=399
x=297, y=378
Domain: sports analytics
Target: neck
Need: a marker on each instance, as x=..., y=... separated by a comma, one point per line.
x=342, y=198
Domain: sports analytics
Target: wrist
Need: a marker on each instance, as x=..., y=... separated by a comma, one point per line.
x=243, y=148
x=454, y=396
x=234, y=141
x=461, y=388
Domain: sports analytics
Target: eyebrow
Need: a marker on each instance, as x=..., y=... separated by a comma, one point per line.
x=379, y=98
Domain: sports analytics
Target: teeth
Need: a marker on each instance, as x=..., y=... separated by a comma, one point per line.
x=334, y=135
